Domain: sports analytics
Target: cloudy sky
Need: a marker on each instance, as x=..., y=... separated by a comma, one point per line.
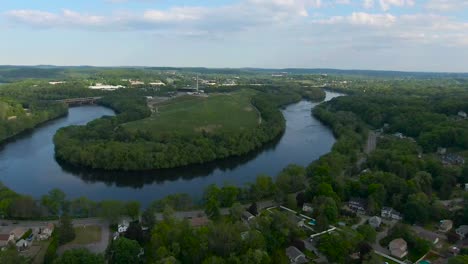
x=413, y=35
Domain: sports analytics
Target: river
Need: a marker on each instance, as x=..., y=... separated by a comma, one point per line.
x=28, y=166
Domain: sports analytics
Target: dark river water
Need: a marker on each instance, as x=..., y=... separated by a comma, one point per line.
x=28, y=166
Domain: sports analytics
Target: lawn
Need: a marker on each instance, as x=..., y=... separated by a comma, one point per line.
x=86, y=235
x=189, y=115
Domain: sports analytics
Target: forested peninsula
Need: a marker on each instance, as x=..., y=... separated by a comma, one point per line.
x=182, y=131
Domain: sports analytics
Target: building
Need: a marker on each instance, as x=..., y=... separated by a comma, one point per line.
x=307, y=207
x=375, y=221
x=358, y=205
x=18, y=232
x=59, y=82
x=100, y=86
x=462, y=231
x=247, y=216
x=390, y=213
x=295, y=255
x=398, y=248
x=445, y=225
x=5, y=239
x=46, y=232
x=157, y=83
x=462, y=114
x=132, y=82
x=428, y=236
x=123, y=226
x=22, y=245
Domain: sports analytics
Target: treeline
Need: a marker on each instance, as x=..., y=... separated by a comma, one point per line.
x=430, y=120
x=16, y=117
x=105, y=144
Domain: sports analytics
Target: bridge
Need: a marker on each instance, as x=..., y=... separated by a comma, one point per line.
x=80, y=101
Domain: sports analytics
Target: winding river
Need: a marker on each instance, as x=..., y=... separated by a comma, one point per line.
x=28, y=166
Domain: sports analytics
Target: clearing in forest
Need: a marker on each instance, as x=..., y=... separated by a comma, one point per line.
x=188, y=115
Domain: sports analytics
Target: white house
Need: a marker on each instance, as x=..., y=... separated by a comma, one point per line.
x=307, y=207
x=123, y=226
x=390, y=213
x=100, y=86
x=462, y=114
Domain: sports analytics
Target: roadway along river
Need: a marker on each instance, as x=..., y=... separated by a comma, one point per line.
x=28, y=166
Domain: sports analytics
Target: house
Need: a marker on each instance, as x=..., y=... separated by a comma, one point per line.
x=462, y=231
x=390, y=213
x=375, y=221
x=100, y=86
x=452, y=159
x=445, y=225
x=428, y=235
x=358, y=205
x=247, y=216
x=123, y=226
x=462, y=114
x=295, y=255
x=22, y=245
x=59, y=82
x=18, y=232
x=398, y=248
x=454, y=250
x=136, y=82
x=5, y=239
x=307, y=207
x=157, y=83
x=46, y=232
x=441, y=151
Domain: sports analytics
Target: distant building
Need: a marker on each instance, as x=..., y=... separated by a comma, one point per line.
x=157, y=83
x=390, y=213
x=398, y=248
x=445, y=225
x=55, y=83
x=358, y=205
x=247, y=216
x=375, y=221
x=100, y=86
x=307, y=207
x=441, y=151
x=46, y=232
x=452, y=159
x=295, y=255
x=132, y=82
x=462, y=231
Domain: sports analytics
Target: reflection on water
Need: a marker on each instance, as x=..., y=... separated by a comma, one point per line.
x=28, y=166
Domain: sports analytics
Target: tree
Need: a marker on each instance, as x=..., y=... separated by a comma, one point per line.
x=123, y=251
x=461, y=259
x=368, y=232
x=54, y=201
x=212, y=208
x=11, y=256
x=291, y=179
x=134, y=232
x=236, y=211
x=133, y=209
x=148, y=218
x=111, y=211
x=78, y=256
x=65, y=230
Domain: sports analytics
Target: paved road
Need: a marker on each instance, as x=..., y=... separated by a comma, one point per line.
x=363, y=220
x=381, y=235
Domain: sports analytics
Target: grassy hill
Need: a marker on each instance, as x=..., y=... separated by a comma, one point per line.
x=189, y=115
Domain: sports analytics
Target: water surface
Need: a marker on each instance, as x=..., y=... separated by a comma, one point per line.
x=28, y=166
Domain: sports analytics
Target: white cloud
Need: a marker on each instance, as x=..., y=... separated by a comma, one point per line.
x=368, y=4
x=387, y=4
x=446, y=5
x=361, y=19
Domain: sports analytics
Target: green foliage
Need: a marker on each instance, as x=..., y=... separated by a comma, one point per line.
x=368, y=232
x=54, y=201
x=12, y=256
x=65, y=230
x=123, y=251
x=51, y=252
x=79, y=256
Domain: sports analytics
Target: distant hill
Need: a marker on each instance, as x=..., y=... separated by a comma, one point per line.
x=10, y=73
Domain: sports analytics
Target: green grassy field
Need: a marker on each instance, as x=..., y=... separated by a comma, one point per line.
x=187, y=115
x=86, y=235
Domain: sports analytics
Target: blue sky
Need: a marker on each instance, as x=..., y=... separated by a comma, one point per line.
x=412, y=35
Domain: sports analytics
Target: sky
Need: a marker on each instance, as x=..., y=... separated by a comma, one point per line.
x=407, y=35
